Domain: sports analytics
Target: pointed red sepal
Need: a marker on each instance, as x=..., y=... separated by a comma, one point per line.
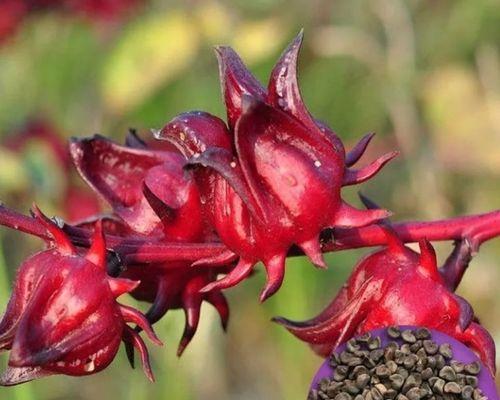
x=97, y=252
x=191, y=305
x=61, y=240
x=354, y=176
x=133, y=337
x=275, y=268
x=119, y=286
x=428, y=260
x=226, y=257
x=235, y=276
x=236, y=80
x=219, y=301
x=132, y=315
x=394, y=243
x=343, y=324
x=312, y=249
x=480, y=340
x=348, y=216
x=353, y=156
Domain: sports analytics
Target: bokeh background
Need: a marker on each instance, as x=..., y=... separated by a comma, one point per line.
x=423, y=74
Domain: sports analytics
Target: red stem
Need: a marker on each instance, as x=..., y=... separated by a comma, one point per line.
x=476, y=228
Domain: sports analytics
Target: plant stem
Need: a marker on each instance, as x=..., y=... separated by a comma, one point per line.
x=476, y=229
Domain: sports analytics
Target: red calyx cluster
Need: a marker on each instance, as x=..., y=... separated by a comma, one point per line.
x=214, y=198
x=273, y=172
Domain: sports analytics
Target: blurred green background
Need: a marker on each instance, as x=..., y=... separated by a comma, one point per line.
x=423, y=74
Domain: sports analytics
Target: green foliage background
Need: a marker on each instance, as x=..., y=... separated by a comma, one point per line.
x=423, y=74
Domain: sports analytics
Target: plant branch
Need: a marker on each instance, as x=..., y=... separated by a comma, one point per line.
x=476, y=229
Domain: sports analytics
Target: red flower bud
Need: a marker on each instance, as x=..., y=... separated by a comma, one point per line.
x=273, y=179
x=63, y=317
x=395, y=286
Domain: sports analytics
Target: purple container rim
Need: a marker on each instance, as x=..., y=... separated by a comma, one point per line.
x=460, y=353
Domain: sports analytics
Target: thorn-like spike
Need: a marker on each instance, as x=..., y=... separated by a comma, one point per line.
x=312, y=249
x=132, y=315
x=162, y=210
x=219, y=301
x=224, y=258
x=235, y=276
x=340, y=325
x=456, y=264
x=130, y=353
x=61, y=240
x=191, y=306
x=119, y=286
x=275, y=268
x=394, y=243
x=367, y=202
x=428, y=260
x=479, y=339
x=354, y=176
x=348, y=216
x=353, y=156
x=97, y=252
x=161, y=304
x=140, y=346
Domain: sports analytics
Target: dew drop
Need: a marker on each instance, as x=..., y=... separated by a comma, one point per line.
x=317, y=163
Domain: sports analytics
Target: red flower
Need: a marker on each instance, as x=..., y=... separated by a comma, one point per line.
x=273, y=178
x=395, y=286
x=63, y=318
x=154, y=196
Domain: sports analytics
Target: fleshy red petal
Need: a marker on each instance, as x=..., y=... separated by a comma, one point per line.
x=236, y=81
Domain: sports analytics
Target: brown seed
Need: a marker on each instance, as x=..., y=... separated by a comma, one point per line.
x=365, y=337
x=440, y=361
x=333, y=388
x=376, y=395
x=412, y=381
x=396, y=381
x=393, y=367
x=351, y=388
x=457, y=366
x=377, y=354
x=452, y=387
x=368, y=362
x=414, y=393
x=374, y=343
x=390, y=394
x=461, y=379
x=431, y=362
x=405, y=348
x=368, y=396
x=445, y=350
x=477, y=394
x=433, y=380
x=422, y=333
x=394, y=332
x=408, y=336
x=430, y=347
x=343, y=396
x=359, y=370
x=381, y=388
x=467, y=392
x=415, y=346
x=403, y=372
x=313, y=395
x=359, y=397
x=410, y=361
x=471, y=380
x=426, y=389
x=382, y=371
x=401, y=396
x=352, y=345
x=362, y=380
x=438, y=386
x=422, y=354
x=473, y=368
x=427, y=373
x=399, y=357
x=448, y=373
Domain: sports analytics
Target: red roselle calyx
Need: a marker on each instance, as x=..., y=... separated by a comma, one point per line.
x=396, y=286
x=63, y=317
x=274, y=172
x=156, y=199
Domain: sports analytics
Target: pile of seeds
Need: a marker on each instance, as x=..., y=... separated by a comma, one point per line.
x=417, y=369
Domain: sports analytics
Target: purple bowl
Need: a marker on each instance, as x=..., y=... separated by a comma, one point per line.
x=460, y=353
